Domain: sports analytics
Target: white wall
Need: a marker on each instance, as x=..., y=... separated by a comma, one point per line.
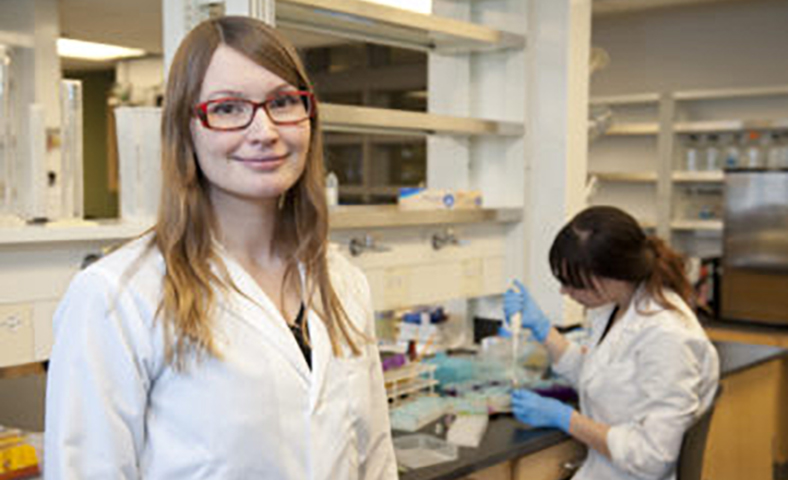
x=739, y=44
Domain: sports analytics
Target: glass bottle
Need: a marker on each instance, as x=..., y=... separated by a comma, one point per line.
x=753, y=155
x=712, y=153
x=691, y=153
x=733, y=152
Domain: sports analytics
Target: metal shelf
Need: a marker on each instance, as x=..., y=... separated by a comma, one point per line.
x=346, y=118
x=639, y=128
x=716, y=176
x=349, y=217
x=391, y=190
x=634, y=99
x=729, y=125
x=697, y=225
x=77, y=231
x=390, y=216
x=731, y=93
x=366, y=21
x=626, y=177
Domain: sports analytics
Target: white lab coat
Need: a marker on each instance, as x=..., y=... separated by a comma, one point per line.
x=651, y=377
x=117, y=410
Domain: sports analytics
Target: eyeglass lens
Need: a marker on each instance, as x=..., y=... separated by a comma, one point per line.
x=238, y=113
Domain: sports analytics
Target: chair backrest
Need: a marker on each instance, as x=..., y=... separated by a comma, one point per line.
x=693, y=445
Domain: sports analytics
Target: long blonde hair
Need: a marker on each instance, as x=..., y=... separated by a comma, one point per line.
x=183, y=232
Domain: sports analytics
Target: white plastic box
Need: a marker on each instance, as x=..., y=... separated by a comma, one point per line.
x=139, y=162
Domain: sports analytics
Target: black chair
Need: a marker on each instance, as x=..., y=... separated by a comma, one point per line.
x=693, y=445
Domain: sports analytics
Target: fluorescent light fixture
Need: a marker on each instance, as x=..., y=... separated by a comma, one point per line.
x=420, y=6
x=70, y=48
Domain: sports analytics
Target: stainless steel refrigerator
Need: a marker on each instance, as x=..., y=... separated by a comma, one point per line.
x=755, y=247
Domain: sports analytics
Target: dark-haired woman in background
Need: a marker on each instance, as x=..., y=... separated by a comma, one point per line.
x=648, y=370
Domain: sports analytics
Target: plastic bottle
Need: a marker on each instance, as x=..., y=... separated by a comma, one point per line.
x=753, y=156
x=712, y=153
x=784, y=160
x=774, y=154
x=332, y=190
x=733, y=152
x=691, y=153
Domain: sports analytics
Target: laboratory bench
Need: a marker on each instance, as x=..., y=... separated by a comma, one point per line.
x=748, y=419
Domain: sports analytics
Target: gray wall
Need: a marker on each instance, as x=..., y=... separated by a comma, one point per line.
x=740, y=44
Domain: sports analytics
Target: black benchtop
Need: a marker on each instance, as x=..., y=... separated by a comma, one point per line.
x=736, y=357
x=507, y=439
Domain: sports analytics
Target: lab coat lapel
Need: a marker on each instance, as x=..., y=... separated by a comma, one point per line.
x=600, y=353
x=321, y=357
x=618, y=333
x=254, y=307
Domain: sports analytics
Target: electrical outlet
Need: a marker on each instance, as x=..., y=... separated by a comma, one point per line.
x=16, y=334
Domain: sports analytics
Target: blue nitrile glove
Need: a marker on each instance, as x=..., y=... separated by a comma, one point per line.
x=539, y=411
x=532, y=316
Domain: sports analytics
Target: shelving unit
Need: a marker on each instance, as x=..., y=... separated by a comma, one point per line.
x=687, y=205
x=345, y=118
x=724, y=126
x=625, y=177
x=376, y=23
x=697, y=225
x=642, y=128
x=625, y=160
x=713, y=177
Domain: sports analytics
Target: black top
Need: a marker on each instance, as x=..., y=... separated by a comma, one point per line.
x=298, y=332
x=609, y=324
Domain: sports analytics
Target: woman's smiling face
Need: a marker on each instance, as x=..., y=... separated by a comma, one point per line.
x=261, y=161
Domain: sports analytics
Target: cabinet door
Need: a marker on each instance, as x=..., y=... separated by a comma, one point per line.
x=502, y=471
x=549, y=463
x=747, y=433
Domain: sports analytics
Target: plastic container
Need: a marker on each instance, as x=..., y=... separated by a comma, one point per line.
x=692, y=153
x=733, y=153
x=139, y=159
x=753, y=154
x=420, y=450
x=712, y=154
x=332, y=190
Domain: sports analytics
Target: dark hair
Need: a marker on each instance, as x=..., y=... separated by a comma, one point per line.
x=607, y=242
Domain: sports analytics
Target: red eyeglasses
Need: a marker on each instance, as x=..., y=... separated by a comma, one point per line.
x=231, y=113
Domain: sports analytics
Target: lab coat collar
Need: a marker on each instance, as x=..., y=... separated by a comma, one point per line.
x=626, y=324
x=255, y=308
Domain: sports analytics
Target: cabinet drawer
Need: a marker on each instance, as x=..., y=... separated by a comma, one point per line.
x=549, y=463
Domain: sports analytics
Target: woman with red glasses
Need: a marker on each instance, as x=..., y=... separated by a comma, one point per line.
x=228, y=342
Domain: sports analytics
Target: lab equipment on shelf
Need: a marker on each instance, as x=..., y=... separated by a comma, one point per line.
x=139, y=158
x=71, y=172
x=691, y=153
x=332, y=190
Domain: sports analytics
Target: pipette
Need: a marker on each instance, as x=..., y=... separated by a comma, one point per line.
x=515, y=324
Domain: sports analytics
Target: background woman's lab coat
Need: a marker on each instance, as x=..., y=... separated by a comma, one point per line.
x=651, y=377
x=116, y=410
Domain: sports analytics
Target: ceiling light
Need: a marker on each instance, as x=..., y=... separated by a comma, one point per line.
x=70, y=48
x=421, y=6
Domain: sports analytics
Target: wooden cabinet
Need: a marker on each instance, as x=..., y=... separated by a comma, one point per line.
x=502, y=471
x=748, y=436
x=549, y=463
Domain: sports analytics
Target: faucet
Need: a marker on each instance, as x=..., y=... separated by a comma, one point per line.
x=358, y=245
x=445, y=238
